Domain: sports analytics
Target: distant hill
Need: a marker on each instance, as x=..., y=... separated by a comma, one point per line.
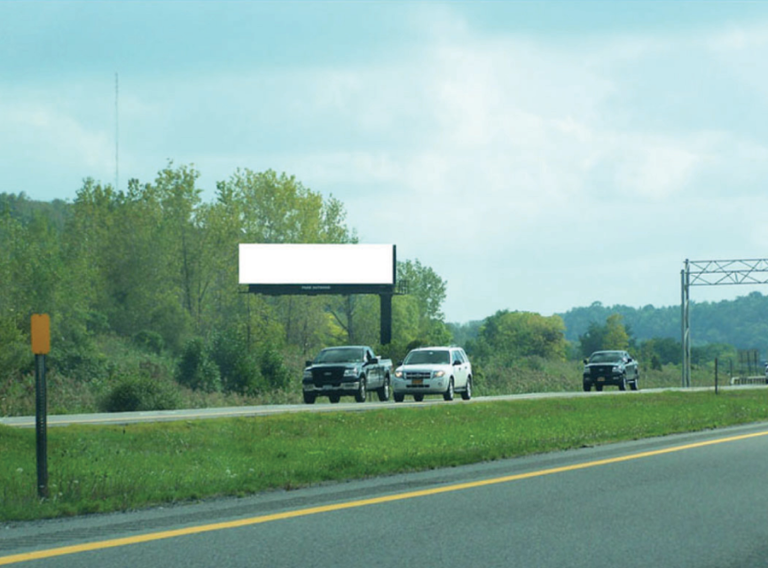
x=742, y=322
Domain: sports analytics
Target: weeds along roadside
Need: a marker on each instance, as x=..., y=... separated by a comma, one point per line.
x=96, y=469
x=146, y=383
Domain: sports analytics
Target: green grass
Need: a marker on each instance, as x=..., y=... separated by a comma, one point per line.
x=100, y=469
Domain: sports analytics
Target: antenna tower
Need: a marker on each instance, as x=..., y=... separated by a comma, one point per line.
x=117, y=132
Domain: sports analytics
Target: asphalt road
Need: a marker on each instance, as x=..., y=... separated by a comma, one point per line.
x=695, y=500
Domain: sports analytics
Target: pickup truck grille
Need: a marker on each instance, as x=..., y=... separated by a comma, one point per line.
x=601, y=370
x=328, y=375
x=411, y=375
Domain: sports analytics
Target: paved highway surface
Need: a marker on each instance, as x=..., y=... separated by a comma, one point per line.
x=695, y=500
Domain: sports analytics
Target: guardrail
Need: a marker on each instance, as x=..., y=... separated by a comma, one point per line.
x=749, y=380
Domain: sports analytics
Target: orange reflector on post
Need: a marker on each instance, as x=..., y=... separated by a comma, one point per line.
x=41, y=334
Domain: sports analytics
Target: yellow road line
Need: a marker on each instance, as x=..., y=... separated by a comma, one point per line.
x=87, y=547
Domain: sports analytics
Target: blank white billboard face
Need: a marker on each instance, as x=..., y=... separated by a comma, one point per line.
x=305, y=264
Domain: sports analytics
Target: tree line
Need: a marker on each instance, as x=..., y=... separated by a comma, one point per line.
x=143, y=292
x=155, y=267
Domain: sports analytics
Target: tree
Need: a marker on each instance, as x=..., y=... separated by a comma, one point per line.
x=513, y=335
x=616, y=336
x=611, y=336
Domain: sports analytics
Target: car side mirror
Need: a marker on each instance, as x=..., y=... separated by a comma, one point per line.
x=456, y=363
x=586, y=362
x=307, y=363
x=374, y=361
x=399, y=363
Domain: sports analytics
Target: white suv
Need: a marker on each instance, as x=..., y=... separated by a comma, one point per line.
x=433, y=370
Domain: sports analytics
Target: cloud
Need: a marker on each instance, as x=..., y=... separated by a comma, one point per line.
x=51, y=139
x=528, y=171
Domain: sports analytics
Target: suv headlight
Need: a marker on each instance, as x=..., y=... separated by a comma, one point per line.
x=399, y=373
x=439, y=374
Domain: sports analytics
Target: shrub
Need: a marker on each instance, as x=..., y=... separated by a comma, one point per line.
x=135, y=393
x=149, y=340
x=196, y=369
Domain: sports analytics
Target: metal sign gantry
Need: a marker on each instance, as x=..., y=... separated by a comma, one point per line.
x=713, y=273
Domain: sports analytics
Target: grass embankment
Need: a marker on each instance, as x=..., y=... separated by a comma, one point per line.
x=100, y=469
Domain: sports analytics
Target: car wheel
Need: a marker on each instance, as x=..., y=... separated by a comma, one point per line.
x=599, y=387
x=635, y=385
x=623, y=383
x=334, y=398
x=467, y=393
x=398, y=397
x=587, y=387
x=309, y=398
x=360, y=394
x=418, y=397
x=448, y=394
x=384, y=390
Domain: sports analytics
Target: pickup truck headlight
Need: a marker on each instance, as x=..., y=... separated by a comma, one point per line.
x=307, y=374
x=350, y=373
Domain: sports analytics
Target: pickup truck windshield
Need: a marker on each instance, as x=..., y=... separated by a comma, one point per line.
x=607, y=357
x=441, y=357
x=340, y=355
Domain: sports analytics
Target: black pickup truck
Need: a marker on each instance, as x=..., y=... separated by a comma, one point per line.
x=610, y=368
x=346, y=371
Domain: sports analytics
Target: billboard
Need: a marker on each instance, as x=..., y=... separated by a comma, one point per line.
x=317, y=268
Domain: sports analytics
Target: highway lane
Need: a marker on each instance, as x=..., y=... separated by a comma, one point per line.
x=321, y=406
x=694, y=500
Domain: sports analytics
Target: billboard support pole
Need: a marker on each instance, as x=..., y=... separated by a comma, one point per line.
x=385, y=300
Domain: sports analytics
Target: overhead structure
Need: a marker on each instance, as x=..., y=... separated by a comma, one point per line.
x=713, y=273
x=312, y=269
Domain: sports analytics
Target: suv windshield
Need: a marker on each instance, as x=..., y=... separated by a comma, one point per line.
x=341, y=355
x=440, y=357
x=606, y=357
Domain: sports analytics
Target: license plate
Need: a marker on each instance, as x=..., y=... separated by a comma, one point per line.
x=417, y=382
x=327, y=387
x=600, y=379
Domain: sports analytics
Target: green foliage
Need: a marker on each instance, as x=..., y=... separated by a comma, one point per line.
x=142, y=392
x=15, y=354
x=509, y=336
x=154, y=267
x=197, y=370
x=738, y=322
x=150, y=341
x=611, y=336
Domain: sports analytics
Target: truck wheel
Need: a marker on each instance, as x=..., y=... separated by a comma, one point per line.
x=599, y=387
x=635, y=385
x=623, y=383
x=418, y=397
x=398, y=397
x=334, y=398
x=448, y=394
x=383, y=392
x=360, y=394
x=309, y=398
x=467, y=393
x=587, y=387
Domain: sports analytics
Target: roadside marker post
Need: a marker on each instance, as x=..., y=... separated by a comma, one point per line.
x=41, y=346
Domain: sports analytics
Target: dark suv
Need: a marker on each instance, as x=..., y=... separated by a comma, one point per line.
x=610, y=368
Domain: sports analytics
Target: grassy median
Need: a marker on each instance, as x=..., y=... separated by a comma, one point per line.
x=109, y=468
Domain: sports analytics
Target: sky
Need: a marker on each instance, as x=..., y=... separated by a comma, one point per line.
x=538, y=156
